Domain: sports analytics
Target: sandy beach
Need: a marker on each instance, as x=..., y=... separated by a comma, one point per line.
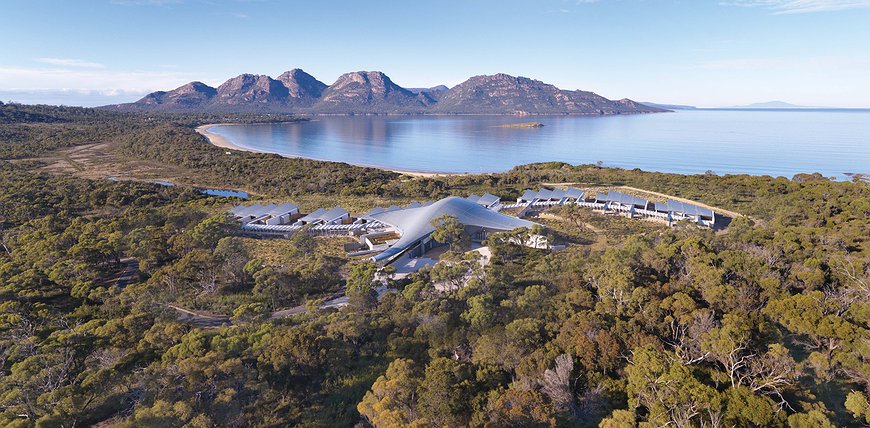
x=222, y=142
x=218, y=140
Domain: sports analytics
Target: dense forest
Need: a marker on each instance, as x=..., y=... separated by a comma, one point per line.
x=766, y=323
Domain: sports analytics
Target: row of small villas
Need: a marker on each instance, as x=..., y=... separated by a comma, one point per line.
x=387, y=234
x=616, y=202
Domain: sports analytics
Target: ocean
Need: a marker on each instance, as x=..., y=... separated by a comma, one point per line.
x=757, y=142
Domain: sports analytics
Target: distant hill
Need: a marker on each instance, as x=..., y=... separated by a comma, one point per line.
x=190, y=96
x=438, y=88
x=370, y=92
x=505, y=94
x=669, y=106
x=373, y=92
x=247, y=91
x=772, y=104
x=302, y=87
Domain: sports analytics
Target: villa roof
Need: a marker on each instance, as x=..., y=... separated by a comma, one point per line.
x=313, y=216
x=622, y=198
x=544, y=194
x=574, y=193
x=488, y=199
x=284, y=208
x=325, y=215
x=258, y=210
x=685, y=208
x=335, y=213
x=529, y=195
x=558, y=194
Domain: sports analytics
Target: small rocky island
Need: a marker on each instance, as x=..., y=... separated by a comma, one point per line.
x=522, y=125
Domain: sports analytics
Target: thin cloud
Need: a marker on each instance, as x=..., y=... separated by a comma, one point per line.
x=77, y=91
x=783, y=7
x=822, y=65
x=569, y=6
x=71, y=97
x=739, y=64
x=69, y=62
x=14, y=78
x=145, y=2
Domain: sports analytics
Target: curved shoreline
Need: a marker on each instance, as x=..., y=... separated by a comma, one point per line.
x=218, y=140
x=223, y=142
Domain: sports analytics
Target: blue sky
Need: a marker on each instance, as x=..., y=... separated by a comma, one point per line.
x=699, y=52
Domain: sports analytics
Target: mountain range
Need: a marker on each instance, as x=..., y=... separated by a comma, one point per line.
x=771, y=105
x=373, y=92
x=669, y=106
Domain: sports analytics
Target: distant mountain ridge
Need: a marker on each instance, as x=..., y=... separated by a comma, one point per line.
x=771, y=105
x=438, y=88
x=373, y=92
x=669, y=106
x=370, y=92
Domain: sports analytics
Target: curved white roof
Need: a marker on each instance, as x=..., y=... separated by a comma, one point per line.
x=416, y=223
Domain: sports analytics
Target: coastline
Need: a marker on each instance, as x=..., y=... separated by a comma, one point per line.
x=217, y=140
x=222, y=142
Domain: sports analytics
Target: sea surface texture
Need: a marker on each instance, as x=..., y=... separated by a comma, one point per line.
x=776, y=143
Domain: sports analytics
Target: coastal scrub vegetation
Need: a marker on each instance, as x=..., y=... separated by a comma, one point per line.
x=763, y=324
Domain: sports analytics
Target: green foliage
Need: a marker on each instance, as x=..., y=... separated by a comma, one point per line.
x=813, y=419
x=858, y=405
x=764, y=324
x=362, y=277
x=448, y=230
x=392, y=400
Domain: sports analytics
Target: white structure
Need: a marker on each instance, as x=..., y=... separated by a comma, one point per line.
x=622, y=202
x=285, y=219
x=678, y=211
x=324, y=217
x=618, y=202
x=369, y=216
x=265, y=214
x=414, y=225
x=487, y=201
x=550, y=197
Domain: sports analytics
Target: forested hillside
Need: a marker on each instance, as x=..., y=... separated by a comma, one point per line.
x=766, y=323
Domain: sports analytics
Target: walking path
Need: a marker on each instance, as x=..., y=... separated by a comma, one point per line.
x=206, y=320
x=130, y=272
x=199, y=318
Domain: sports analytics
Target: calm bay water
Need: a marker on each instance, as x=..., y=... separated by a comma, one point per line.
x=777, y=143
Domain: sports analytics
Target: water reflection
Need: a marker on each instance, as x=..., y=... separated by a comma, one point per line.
x=226, y=193
x=774, y=143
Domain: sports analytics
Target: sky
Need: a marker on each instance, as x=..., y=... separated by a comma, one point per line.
x=706, y=53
